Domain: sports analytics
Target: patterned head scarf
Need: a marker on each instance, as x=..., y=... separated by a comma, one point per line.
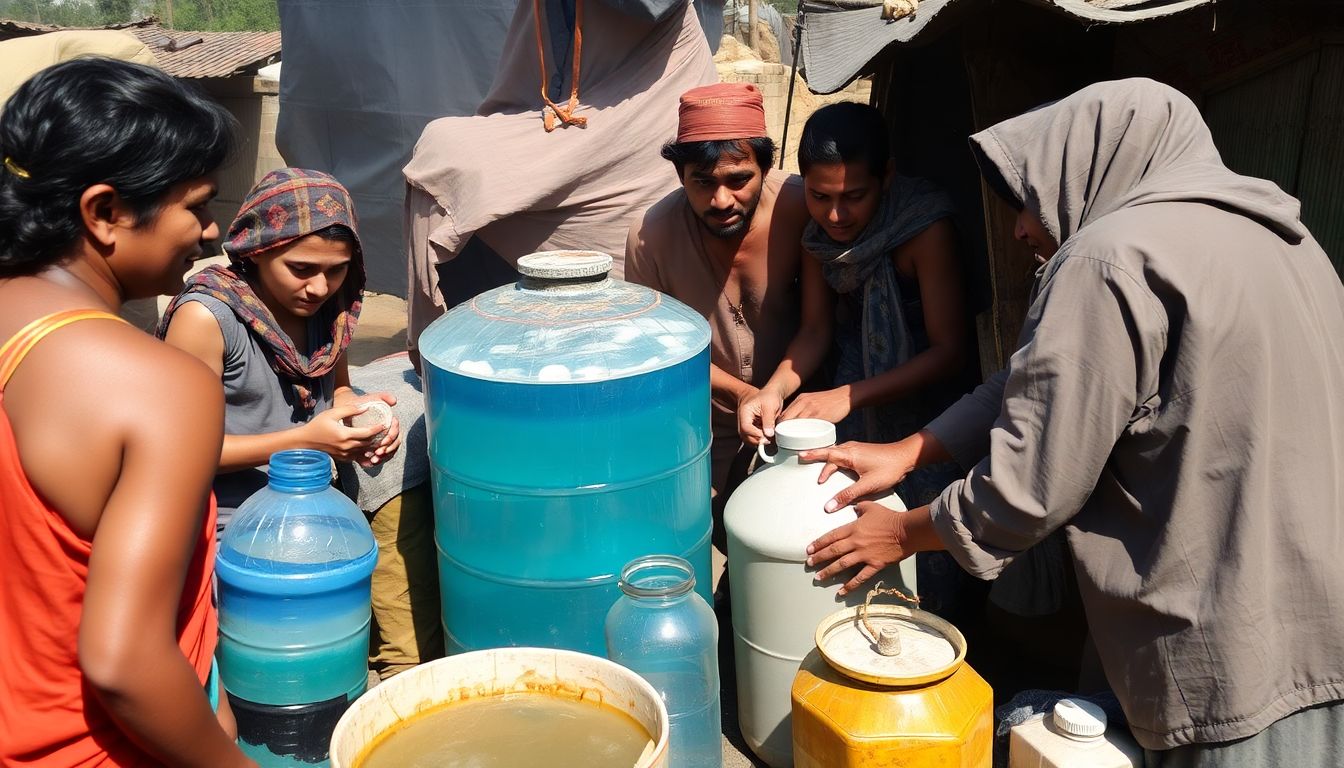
x=286, y=205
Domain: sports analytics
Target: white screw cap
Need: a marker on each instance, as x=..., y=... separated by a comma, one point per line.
x=1078, y=719
x=564, y=265
x=804, y=434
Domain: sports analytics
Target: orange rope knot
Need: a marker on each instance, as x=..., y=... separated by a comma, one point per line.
x=552, y=111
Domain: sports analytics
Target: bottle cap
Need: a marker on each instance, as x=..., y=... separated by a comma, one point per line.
x=931, y=649
x=804, y=434
x=564, y=265
x=1078, y=719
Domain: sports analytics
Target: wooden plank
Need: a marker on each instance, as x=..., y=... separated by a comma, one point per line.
x=1015, y=56
x=1259, y=124
x=1320, y=184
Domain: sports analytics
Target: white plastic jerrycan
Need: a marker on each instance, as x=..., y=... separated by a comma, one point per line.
x=1074, y=735
x=777, y=602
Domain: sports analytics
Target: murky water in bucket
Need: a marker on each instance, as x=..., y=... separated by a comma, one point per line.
x=513, y=731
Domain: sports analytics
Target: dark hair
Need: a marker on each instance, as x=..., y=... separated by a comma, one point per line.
x=90, y=121
x=846, y=132
x=339, y=233
x=704, y=155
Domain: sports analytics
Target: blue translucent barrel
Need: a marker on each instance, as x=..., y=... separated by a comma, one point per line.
x=294, y=569
x=568, y=434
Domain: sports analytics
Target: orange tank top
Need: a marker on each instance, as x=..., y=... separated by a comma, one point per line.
x=48, y=715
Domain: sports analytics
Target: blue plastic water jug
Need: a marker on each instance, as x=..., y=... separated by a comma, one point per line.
x=568, y=421
x=663, y=630
x=294, y=569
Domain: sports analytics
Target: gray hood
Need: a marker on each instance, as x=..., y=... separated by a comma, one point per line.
x=1118, y=144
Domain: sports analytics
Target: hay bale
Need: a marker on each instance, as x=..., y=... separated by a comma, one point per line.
x=732, y=50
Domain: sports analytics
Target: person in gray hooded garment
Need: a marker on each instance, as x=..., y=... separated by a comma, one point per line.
x=1176, y=403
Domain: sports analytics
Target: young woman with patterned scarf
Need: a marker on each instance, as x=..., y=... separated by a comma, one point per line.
x=275, y=324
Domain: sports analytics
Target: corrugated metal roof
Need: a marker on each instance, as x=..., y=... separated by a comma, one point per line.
x=209, y=54
x=16, y=28
x=183, y=53
x=840, y=37
x=11, y=28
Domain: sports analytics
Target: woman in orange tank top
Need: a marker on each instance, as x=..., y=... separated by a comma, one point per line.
x=108, y=438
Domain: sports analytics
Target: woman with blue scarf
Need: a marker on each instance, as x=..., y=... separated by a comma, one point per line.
x=888, y=249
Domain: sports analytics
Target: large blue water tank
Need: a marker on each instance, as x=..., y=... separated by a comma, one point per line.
x=568, y=420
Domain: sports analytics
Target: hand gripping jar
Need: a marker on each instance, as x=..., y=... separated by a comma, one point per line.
x=663, y=630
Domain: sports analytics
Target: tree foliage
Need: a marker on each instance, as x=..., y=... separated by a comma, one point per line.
x=202, y=15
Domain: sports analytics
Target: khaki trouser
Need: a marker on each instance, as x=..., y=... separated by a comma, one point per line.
x=406, y=610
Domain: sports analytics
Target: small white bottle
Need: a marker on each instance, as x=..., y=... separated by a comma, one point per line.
x=1073, y=736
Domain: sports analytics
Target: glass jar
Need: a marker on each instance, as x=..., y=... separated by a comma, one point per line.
x=663, y=630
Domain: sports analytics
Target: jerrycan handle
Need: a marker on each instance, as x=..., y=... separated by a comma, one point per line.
x=799, y=435
x=768, y=458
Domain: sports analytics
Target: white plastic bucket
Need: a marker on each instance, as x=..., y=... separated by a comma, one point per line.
x=494, y=672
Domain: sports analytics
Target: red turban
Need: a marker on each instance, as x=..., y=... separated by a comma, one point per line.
x=719, y=112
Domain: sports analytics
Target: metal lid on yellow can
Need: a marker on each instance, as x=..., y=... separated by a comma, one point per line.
x=890, y=645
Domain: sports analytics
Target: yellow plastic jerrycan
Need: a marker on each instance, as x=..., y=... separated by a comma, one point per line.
x=888, y=686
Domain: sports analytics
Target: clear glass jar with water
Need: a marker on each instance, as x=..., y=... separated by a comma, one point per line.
x=663, y=630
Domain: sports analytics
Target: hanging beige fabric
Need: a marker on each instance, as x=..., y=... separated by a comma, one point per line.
x=501, y=176
x=23, y=57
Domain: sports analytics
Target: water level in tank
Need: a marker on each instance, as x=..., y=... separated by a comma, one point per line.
x=512, y=731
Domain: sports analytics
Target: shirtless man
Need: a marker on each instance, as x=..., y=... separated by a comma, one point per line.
x=727, y=243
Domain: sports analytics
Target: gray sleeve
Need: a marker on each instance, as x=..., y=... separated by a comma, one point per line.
x=1094, y=339
x=963, y=429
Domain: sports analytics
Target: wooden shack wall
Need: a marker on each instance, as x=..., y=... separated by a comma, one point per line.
x=1271, y=86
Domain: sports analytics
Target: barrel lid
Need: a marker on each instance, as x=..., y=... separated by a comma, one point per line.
x=931, y=649
x=564, y=322
x=564, y=265
x=1079, y=719
x=804, y=434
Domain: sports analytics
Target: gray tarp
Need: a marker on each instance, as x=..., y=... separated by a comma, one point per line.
x=840, y=40
x=361, y=80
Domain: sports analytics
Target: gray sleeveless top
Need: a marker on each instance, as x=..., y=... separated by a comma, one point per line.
x=256, y=401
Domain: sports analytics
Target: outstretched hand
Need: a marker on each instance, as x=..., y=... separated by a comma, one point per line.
x=757, y=414
x=330, y=433
x=879, y=467
x=875, y=540
x=391, y=439
x=832, y=405
x=878, y=538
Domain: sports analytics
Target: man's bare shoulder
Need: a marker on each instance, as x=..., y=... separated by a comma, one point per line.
x=661, y=215
x=789, y=206
x=658, y=226
x=788, y=189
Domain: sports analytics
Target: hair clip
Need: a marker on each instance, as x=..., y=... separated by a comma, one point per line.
x=15, y=168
